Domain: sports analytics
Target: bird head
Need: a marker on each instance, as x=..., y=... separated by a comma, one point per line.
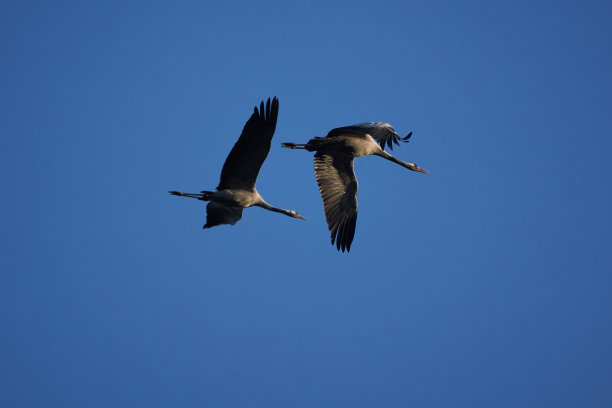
x=420, y=169
x=295, y=214
x=414, y=167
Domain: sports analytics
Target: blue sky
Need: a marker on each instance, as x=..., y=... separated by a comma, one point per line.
x=485, y=283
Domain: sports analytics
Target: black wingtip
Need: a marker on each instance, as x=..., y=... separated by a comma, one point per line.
x=274, y=106
x=342, y=236
x=405, y=139
x=267, y=110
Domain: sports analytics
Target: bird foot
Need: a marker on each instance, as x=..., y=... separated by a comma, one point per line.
x=293, y=145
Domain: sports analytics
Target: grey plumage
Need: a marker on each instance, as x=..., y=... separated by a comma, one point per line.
x=236, y=189
x=338, y=187
x=217, y=214
x=381, y=132
x=333, y=165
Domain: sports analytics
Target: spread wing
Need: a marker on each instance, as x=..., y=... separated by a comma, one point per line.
x=383, y=133
x=217, y=214
x=248, y=154
x=338, y=187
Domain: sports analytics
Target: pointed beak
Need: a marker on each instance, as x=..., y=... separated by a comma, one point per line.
x=422, y=170
x=302, y=218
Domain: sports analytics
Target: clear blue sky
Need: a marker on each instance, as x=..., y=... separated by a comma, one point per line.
x=484, y=284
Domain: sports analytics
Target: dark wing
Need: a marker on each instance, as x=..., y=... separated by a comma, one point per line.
x=383, y=133
x=338, y=187
x=217, y=214
x=248, y=154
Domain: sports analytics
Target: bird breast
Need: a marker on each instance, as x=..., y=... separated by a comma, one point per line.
x=238, y=198
x=359, y=146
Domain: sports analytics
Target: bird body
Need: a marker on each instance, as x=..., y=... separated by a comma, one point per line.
x=355, y=146
x=236, y=189
x=236, y=197
x=333, y=163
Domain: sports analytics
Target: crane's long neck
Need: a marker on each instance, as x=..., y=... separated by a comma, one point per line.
x=410, y=166
x=269, y=207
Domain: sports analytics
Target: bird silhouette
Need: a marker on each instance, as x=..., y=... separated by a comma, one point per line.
x=333, y=164
x=236, y=189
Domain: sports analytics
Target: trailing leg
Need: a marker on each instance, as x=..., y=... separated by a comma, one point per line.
x=205, y=196
x=294, y=145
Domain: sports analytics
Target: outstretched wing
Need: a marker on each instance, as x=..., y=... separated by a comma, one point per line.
x=248, y=154
x=383, y=133
x=217, y=214
x=338, y=187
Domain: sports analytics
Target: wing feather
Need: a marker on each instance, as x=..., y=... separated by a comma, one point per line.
x=250, y=151
x=383, y=133
x=217, y=214
x=338, y=187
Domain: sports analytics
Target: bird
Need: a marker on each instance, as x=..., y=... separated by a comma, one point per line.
x=333, y=166
x=236, y=189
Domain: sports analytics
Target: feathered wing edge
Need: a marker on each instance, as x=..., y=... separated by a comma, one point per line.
x=244, y=161
x=395, y=138
x=218, y=214
x=383, y=133
x=338, y=187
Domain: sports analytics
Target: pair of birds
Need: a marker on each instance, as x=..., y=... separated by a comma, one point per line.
x=333, y=163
